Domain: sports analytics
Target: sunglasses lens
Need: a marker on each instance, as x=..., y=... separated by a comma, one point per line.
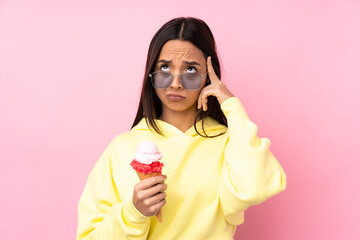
x=191, y=81
x=161, y=79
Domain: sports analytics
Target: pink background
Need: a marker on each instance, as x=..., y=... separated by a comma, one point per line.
x=70, y=81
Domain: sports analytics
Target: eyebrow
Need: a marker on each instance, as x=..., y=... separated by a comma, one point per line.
x=186, y=62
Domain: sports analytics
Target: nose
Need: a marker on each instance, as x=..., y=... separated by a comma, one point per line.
x=176, y=83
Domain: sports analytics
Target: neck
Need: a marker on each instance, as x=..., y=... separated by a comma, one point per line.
x=182, y=120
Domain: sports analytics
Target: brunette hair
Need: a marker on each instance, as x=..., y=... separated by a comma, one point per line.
x=187, y=29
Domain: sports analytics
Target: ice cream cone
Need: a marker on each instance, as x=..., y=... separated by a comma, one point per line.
x=147, y=163
x=144, y=176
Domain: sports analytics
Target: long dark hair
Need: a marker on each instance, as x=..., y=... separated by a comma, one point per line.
x=187, y=29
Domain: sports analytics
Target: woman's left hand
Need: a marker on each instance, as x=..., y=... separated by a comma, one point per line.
x=216, y=88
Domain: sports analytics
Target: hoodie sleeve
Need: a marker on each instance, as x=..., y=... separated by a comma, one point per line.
x=101, y=212
x=251, y=173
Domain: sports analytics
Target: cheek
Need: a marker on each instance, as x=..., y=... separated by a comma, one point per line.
x=160, y=92
x=194, y=95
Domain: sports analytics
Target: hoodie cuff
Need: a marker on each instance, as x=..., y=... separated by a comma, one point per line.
x=233, y=109
x=240, y=126
x=132, y=214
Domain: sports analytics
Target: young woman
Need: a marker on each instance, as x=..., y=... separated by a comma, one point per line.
x=215, y=166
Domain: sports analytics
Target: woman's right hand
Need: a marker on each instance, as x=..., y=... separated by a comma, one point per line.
x=149, y=195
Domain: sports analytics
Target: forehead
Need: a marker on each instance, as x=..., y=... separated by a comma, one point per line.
x=179, y=48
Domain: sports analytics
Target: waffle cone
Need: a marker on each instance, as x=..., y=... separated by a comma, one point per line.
x=144, y=176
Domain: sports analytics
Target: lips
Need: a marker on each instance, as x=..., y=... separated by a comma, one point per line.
x=175, y=97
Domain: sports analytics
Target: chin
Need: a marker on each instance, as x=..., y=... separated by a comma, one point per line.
x=179, y=107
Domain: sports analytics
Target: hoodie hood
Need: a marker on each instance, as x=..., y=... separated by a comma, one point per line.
x=211, y=126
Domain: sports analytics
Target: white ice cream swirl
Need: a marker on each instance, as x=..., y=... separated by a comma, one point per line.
x=147, y=153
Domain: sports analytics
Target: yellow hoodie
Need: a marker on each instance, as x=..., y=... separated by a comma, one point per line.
x=211, y=181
